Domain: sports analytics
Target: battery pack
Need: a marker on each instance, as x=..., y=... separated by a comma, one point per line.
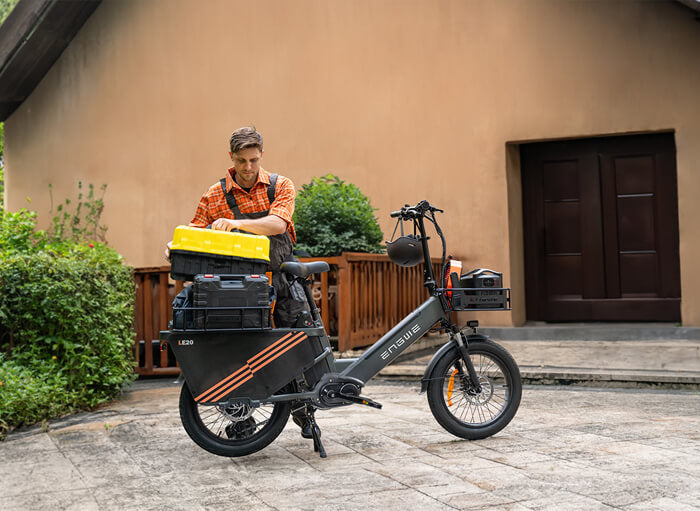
x=479, y=289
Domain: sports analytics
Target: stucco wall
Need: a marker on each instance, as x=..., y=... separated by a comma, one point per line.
x=408, y=99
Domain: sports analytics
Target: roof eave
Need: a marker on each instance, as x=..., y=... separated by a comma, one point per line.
x=32, y=38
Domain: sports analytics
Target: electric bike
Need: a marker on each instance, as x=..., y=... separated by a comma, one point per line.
x=242, y=384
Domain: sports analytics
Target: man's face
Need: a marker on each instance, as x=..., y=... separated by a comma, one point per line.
x=246, y=163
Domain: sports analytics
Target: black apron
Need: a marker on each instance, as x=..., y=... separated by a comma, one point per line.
x=291, y=300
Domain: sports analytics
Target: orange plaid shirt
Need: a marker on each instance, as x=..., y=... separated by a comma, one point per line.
x=213, y=205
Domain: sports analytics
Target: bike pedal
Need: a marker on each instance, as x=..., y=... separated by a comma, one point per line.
x=361, y=400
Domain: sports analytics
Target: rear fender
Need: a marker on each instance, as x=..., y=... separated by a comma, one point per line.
x=438, y=355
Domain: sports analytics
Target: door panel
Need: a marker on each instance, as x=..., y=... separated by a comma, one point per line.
x=601, y=229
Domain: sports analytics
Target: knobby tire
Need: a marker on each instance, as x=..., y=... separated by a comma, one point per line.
x=461, y=410
x=207, y=426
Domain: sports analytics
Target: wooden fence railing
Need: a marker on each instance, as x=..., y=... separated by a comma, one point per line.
x=360, y=299
x=153, y=310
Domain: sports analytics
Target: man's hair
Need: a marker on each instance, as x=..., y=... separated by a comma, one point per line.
x=245, y=137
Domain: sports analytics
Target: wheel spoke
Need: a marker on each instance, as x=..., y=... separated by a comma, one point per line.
x=489, y=404
x=216, y=420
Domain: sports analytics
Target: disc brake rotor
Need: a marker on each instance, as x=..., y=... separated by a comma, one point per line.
x=236, y=412
x=478, y=398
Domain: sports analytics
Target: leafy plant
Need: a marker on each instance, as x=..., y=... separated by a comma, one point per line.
x=66, y=316
x=72, y=307
x=29, y=395
x=81, y=223
x=18, y=233
x=332, y=216
x=2, y=166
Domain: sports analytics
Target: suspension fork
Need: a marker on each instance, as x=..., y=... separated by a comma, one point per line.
x=461, y=342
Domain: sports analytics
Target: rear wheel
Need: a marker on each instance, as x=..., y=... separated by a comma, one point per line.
x=233, y=430
x=475, y=413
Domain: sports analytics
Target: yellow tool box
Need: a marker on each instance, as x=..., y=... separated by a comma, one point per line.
x=198, y=251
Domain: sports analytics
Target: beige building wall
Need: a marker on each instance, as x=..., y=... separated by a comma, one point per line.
x=408, y=99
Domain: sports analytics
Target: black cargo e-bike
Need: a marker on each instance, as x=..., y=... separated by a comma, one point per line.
x=242, y=384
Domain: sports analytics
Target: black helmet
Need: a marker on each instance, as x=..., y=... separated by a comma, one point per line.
x=405, y=250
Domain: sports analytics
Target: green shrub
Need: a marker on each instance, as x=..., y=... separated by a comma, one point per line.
x=18, y=234
x=332, y=217
x=72, y=305
x=66, y=320
x=2, y=164
x=30, y=395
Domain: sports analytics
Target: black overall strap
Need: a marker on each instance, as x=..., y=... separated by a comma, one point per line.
x=271, y=188
x=280, y=244
x=231, y=200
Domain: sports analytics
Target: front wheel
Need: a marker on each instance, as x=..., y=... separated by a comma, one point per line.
x=231, y=430
x=465, y=411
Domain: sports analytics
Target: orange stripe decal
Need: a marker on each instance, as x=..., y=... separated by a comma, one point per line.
x=212, y=395
x=271, y=347
x=274, y=354
x=289, y=347
x=252, y=365
x=222, y=382
x=233, y=375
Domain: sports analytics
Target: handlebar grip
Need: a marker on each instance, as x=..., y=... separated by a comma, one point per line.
x=395, y=214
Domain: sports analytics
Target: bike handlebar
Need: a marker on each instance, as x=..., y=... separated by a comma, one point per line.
x=416, y=211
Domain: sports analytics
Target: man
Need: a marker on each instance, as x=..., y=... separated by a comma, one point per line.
x=241, y=201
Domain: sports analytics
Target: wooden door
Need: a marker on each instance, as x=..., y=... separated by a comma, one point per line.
x=601, y=229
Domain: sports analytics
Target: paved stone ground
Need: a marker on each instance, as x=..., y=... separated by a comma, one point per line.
x=567, y=448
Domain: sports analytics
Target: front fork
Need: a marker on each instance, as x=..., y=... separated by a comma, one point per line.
x=461, y=341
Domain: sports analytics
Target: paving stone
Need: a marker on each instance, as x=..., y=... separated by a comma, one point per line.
x=407, y=498
x=566, y=449
x=69, y=500
x=20, y=448
x=43, y=472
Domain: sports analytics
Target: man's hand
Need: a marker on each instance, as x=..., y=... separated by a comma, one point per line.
x=167, y=250
x=224, y=224
x=268, y=225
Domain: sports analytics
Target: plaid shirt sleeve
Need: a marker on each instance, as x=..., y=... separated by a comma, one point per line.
x=210, y=208
x=201, y=216
x=283, y=205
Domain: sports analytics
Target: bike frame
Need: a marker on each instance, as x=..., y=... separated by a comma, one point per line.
x=409, y=330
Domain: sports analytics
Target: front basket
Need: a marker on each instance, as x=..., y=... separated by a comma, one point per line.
x=478, y=298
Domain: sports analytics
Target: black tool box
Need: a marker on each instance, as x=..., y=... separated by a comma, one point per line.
x=232, y=302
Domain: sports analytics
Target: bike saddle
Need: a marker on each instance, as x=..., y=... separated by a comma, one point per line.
x=303, y=270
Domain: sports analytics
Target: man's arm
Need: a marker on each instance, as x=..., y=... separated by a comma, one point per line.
x=268, y=225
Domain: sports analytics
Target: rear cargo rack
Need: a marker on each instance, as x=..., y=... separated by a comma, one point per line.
x=199, y=318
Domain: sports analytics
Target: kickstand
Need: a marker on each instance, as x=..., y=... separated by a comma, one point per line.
x=316, y=434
